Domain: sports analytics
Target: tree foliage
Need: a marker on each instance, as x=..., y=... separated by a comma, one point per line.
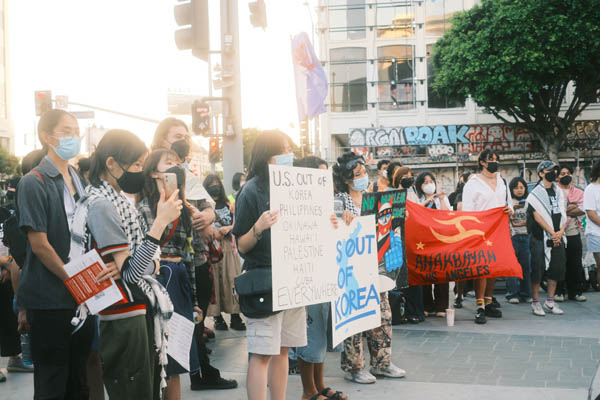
x=516, y=58
x=9, y=164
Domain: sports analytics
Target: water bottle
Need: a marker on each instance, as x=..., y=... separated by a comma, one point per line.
x=26, y=349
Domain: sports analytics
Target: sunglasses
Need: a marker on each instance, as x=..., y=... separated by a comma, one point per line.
x=353, y=163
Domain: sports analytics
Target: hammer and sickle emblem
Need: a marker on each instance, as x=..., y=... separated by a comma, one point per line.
x=462, y=232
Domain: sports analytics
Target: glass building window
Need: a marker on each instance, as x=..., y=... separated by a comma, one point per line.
x=395, y=72
x=438, y=14
x=394, y=19
x=347, y=19
x=348, y=79
x=434, y=100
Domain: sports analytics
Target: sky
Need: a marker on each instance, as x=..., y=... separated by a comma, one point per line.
x=121, y=55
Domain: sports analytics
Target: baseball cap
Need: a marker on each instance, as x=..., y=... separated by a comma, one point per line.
x=546, y=165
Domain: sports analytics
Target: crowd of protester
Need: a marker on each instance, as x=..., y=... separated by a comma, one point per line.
x=181, y=252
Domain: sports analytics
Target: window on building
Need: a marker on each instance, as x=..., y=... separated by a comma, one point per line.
x=434, y=100
x=438, y=14
x=395, y=72
x=394, y=19
x=5, y=143
x=348, y=79
x=347, y=19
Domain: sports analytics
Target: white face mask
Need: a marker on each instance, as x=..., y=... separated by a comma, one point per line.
x=384, y=174
x=429, y=188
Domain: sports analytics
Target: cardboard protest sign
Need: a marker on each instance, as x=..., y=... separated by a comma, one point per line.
x=389, y=210
x=444, y=246
x=302, y=256
x=356, y=308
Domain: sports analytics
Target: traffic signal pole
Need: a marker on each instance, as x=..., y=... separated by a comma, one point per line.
x=233, y=152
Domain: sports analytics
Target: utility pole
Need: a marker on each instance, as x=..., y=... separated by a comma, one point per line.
x=233, y=152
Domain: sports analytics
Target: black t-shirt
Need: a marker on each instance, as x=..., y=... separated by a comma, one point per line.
x=536, y=230
x=252, y=201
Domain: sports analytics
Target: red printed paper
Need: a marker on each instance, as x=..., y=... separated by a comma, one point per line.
x=84, y=286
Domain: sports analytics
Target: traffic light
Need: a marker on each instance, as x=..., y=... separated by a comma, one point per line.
x=258, y=14
x=43, y=101
x=214, y=154
x=192, y=16
x=200, y=118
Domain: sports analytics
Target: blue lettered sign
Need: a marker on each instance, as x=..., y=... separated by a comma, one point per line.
x=356, y=308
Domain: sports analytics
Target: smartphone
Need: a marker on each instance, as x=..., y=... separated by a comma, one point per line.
x=167, y=182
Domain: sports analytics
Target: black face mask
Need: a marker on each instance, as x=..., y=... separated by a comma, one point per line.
x=131, y=182
x=407, y=182
x=214, y=191
x=492, y=166
x=565, y=180
x=182, y=148
x=550, y=176
x=180, y=173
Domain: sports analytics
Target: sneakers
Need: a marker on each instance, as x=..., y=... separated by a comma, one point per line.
x=391, y=371
x=219, y=383
x=495, y=303
x=553, y=308
x=2, y=376
x=363, y=376
x=492, y=312
x=458, y=303
x=480, y=316
x=536, y=307
x=513, y=300
x=580, y=298
x=559, y=297
x=19, y=366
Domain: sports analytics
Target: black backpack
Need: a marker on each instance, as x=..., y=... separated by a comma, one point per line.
x=14, y=238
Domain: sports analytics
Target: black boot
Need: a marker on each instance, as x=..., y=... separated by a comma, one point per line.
x=220, y=324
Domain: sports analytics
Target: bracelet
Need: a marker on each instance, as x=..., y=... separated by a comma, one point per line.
x=256, y=235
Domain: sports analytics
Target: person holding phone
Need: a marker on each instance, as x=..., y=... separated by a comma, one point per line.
x=173, y=134
x=546, y=208
x=518, y=290
x=133, y=330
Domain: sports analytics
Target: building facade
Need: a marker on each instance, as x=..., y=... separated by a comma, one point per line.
x=378, y=57
x=6, y=127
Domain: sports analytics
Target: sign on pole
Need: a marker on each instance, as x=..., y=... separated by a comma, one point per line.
x=356, y=308
x=302, y=253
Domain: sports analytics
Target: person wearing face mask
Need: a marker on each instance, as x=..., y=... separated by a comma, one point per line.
x=351, y=180
x=177, y=244
x=133, y=330
x=47, y=197
x=403, y=178
x=484, y=191
x=173, y=134
x=575, y=277
x=546, y=208
x=383, y=180
x=268, y=339
x=225, y=271
x=435, y=297
x=519, y=290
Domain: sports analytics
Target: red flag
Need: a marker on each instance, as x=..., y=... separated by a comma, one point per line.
x=444, y=246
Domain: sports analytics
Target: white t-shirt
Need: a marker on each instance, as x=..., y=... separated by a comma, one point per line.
x=591, y=201
x=479, y=196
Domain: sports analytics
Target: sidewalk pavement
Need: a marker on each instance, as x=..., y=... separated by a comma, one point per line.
x=520, y=356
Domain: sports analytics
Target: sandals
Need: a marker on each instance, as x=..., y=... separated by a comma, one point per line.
x=335, y=396
x=316, y=396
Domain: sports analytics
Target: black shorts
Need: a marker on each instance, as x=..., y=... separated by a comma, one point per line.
x=558, y=260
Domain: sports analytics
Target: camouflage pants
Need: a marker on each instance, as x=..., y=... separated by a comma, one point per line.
x=379, y=341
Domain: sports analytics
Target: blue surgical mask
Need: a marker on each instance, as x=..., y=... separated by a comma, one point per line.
x=361, y=184
x=285, y=159
x=68, y=147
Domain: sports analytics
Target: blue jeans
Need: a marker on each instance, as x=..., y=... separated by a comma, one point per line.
x=515, y=287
